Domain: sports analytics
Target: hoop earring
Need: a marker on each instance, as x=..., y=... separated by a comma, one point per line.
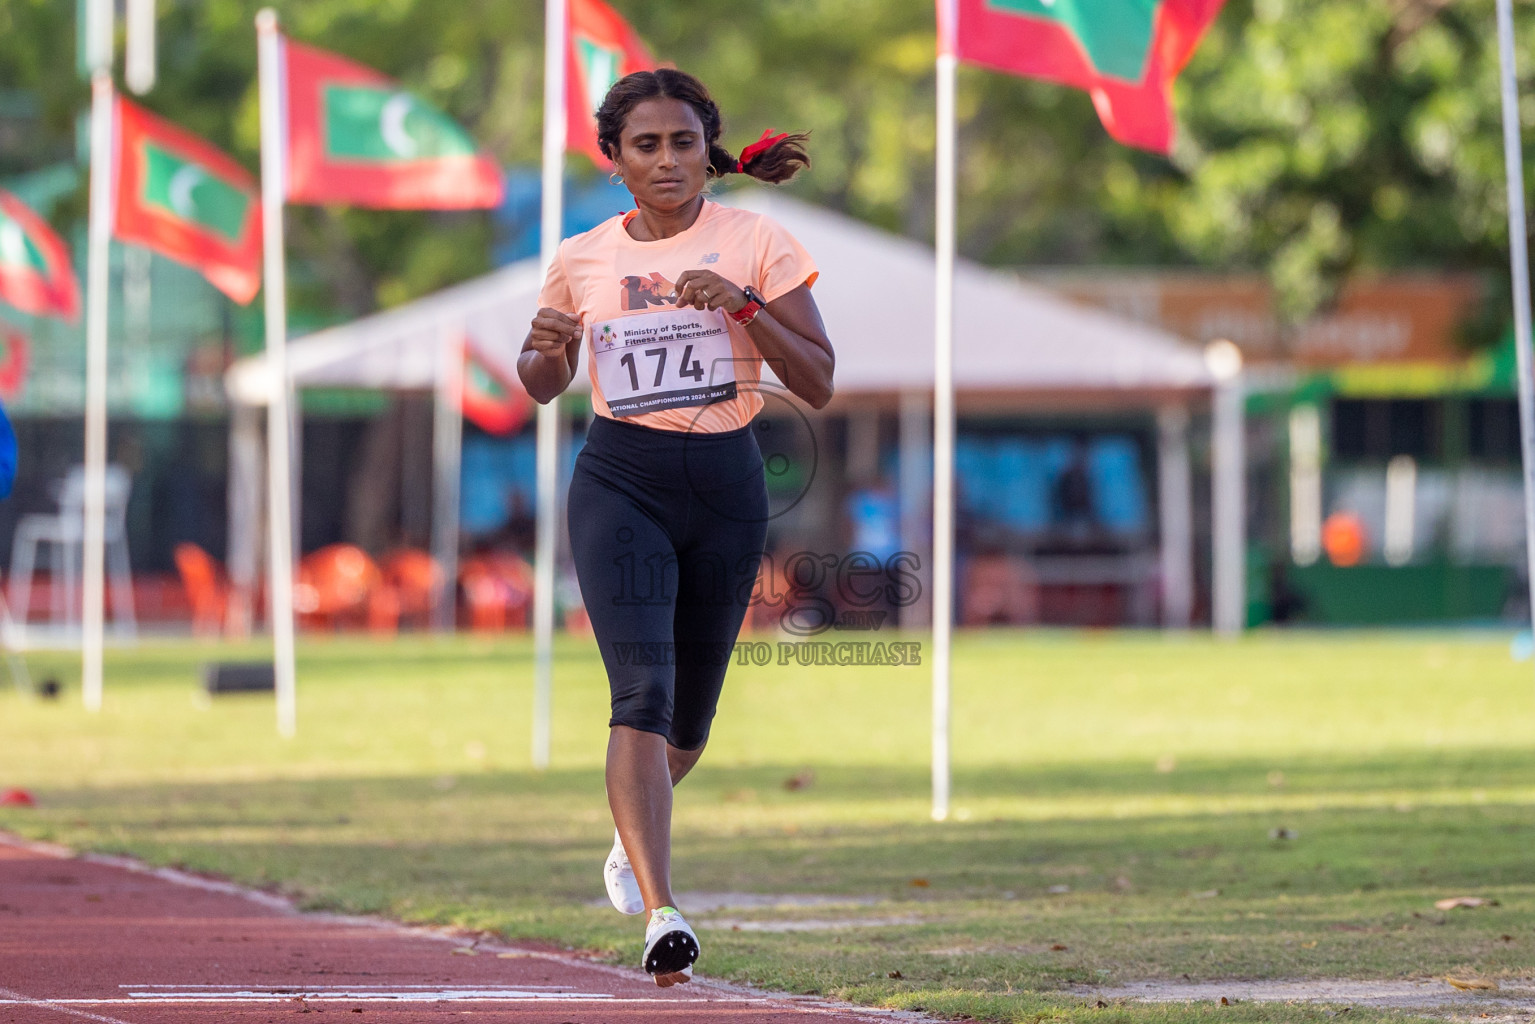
x=616, y=178
x=712, y=172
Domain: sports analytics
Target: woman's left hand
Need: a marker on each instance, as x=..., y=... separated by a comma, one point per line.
x=704, y=289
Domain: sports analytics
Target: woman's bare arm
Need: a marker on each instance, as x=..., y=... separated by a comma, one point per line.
x=550, y=354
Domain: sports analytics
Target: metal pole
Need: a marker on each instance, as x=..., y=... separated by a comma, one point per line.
x=1175, y=515
x=447, y=456
x=98, y=281
x=916, y=464
x=1228, y=490
x=555, y=27
x=1519, y=260
x=279, y=460
x=943, y=436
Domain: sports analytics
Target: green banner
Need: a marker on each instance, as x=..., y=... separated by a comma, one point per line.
x=1116, y=34
x=17, y=249
x=364, y=123
x=193, y=193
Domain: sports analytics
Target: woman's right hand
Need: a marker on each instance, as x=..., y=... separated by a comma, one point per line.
x=553, y=331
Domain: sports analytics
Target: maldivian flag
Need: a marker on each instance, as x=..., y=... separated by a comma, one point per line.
x=1124, y=53
x=178, y=195
x=603, y=49
x=36, y=275
x=354, y=137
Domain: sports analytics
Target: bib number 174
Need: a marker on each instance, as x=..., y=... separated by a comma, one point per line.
x=690, y=368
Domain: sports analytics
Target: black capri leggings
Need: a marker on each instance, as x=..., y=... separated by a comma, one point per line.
x=667, y=531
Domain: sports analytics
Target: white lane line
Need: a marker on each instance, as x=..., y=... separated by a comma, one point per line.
x=320, y=988
x=64, y=1005
x=7, y=996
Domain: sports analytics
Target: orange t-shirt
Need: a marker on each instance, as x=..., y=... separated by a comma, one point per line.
x=654, y=364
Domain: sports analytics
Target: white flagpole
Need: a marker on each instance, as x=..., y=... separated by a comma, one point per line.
x=555, y=27
x=279, y=458
x=98, y=281
x=943, y=418
x=1519, y=260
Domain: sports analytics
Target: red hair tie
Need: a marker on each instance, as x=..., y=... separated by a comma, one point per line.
x=756, y=149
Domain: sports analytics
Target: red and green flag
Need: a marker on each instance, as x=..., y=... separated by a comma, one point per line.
x=1123, y=53
x=603, y=49
x=352, y=136
x=36, y=275
x=178, y=195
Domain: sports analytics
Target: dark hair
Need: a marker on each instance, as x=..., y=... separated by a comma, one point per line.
x=778, y=162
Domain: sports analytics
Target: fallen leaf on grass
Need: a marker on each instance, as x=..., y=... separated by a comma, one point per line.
x=919, y=883
x=1057, y=947
x=1463, y=902
x=1282, y=833
x=1100, y=1005
x=800, y=780
x=1506, y=938
x=1225, y=1001
x=1477, y=984
x=894, y=974
x=1308, y=945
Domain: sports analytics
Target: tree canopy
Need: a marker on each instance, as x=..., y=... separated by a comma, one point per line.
x=1317, y=138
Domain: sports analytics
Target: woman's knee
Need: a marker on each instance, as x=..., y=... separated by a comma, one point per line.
x=643, y=703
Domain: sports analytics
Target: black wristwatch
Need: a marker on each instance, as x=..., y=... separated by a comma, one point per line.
x=754, y=303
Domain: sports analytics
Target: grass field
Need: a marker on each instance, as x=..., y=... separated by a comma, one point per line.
x=1117, y=802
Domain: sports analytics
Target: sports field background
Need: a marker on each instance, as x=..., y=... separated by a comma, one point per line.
x=1282, y=806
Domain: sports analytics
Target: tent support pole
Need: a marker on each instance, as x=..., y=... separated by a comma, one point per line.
x=915, y=467
x=1519, y=264
x=1229, y=501
x=447, y=456
x=1176, y=514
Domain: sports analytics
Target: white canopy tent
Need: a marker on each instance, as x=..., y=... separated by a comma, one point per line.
x=1015, y=343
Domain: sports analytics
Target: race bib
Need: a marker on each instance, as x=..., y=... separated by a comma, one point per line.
x=663, y=359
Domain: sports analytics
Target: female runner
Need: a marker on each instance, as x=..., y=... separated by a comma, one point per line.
x=680, y=301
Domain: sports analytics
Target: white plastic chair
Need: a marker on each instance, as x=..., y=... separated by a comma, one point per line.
x=64, y=534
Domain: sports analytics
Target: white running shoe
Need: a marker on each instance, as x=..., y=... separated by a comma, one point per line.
x=670, y=946
x=618, y=876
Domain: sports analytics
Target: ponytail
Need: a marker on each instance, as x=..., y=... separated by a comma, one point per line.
x=772, y=158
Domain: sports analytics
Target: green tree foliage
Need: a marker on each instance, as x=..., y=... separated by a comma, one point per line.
x=1319, y=138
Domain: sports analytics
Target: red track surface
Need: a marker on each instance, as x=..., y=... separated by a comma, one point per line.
x=94, y=939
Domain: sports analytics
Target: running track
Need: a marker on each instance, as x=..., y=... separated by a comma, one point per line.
x=100, y=939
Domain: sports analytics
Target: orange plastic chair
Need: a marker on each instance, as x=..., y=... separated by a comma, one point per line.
x=1344, y=539
x=206, y=587
x=340, y=584
x=498, y=590
x=415, y=577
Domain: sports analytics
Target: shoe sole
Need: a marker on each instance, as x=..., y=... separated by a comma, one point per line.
x=672, y=952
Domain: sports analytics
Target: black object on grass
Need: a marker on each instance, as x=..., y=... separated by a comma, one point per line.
x=48, y=689
x=239, y=677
